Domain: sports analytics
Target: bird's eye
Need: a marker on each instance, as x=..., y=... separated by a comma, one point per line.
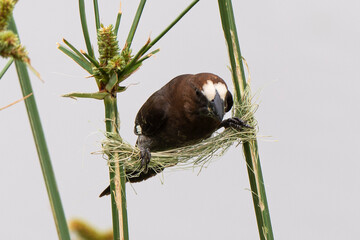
x=198, y=93
x=228, y=102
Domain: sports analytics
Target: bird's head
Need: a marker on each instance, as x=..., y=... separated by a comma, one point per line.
x=213, y=95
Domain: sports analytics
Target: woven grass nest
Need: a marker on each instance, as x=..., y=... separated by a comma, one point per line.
x=191, y=156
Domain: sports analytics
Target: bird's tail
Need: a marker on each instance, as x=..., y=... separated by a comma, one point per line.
x=137, y=178
x=105, y=192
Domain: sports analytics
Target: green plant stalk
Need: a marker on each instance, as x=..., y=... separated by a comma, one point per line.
x=97, y=15
x=117, y=23
x=85, y=28
x=250, y=148
x=8, y=64
x=135, y=23
x=41, y=147
x=117, y=175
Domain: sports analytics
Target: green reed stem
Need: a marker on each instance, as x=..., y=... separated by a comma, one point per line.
x=117, y=23
x=135, y=23
x=85, y=28
x=97, y=15
x=41, y=147
x=117, y=188
x=250, y=148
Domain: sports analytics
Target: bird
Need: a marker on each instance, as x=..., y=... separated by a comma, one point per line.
x=188, y=109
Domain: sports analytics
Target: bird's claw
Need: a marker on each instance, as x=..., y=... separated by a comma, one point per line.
x=235, y=123
x=145, y=156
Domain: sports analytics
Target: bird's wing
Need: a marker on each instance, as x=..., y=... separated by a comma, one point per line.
x=152, y=115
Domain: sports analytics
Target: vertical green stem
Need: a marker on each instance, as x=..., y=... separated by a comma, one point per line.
x=135, y=23
x=117, y=175
x=250, y=148
x=85, y=28
x=97, y=15
x=41, y=147
x=230, y=32
x=117, y=23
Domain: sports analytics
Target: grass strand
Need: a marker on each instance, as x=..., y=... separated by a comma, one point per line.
x=97, y=15
x=135, y=23
x=85, y=64
x=118, y=19
x=85, y=28
x=6, y=67
x=77, y=52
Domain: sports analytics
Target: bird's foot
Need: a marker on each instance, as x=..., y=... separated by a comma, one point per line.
x=145, y=156
x=235, y=123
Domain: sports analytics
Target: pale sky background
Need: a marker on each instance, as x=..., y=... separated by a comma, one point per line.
x=304, y=58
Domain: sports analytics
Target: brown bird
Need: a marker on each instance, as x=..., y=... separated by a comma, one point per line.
x=185, y=111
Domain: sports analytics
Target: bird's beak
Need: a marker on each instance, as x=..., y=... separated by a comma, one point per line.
x=217, y=107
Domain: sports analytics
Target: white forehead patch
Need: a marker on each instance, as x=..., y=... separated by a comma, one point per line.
x=209, y=90
x=222, y=90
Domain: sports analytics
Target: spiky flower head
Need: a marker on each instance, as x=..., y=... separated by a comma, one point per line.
x=108, y=45
x=111, y=61
x=10, y=46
